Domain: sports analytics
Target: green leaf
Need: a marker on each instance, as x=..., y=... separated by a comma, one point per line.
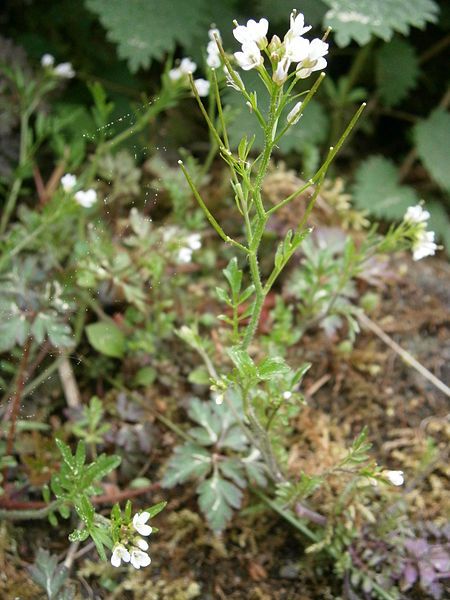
x=156, y=509
x=107, y=339
x=397, y=71
x=149, y=29
x=48, y=574
x=377, y=189
x=79, y=535
x=199, y=376
x=217, y=499
x=145, y=376
x=242, y=361
x=440, y=223
x=234, y=276
x=85, y=510
x=272, y=367
x=188, y=461
x=360, y=19
x=202, y=413
x=432, y=140
x=101, y=467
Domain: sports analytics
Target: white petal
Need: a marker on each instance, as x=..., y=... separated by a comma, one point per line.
x=115, y=559
x=141, y=544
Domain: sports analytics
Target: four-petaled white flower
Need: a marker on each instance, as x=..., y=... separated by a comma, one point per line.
x=250, y=57
x=253, y=32
x=86, y=198
x=202, y=87
x=139, y=523
x=395, y=477
x=294, y=114
x=416, y=214
x=64, y=70
x=119, y=554
x=68, y=182
x=47, y=60
x=297, y=25
x=424, y=244
x=139, y=559
x=314, y=60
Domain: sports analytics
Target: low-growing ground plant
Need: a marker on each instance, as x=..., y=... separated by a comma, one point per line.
x=73, y=258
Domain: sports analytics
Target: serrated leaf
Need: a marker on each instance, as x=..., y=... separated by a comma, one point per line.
x=358, y=20
x=149, y=29
x=397, y=71
x=107, y=339
x=242, y=361
x=217, y=499
x=272, y=367
x=202, y=413
x=432, y=140
x=377, y=189
x=188, y=460
x=48, y=574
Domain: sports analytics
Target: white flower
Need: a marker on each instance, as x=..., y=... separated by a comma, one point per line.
x=139, y=523
x=139, y=559
x=280, y=74
x=287, y=395
x=213, y=55
x=294, y=114
x=120, y=553
x=250, y=57
x=86, y=198
x=64, y=70
x=187, y=66
x=202, y=87
x=314, y=60
x=213, y=33
x=297, y=25
x=424, y=245
x=296, y=49
x=185, y=255
x=395, y=477
x=416, y=214
x=252, y=32
x=47, y=60
x=194, y=241
x=68, y=182
x=141, y=544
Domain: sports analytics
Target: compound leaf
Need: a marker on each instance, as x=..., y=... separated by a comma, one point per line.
x=217, y=499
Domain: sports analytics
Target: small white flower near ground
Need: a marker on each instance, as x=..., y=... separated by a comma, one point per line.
x=424, y=245
x=119, y=554
x=141, y=544
x=395, y=477
x=185, y=255
x=416, y=214
x=202, y=87
x=64, y=70
x=68, y=182
x=139, y=523
x=86, y=198
x=47, y=60
x=194, y=241
x=139, y=559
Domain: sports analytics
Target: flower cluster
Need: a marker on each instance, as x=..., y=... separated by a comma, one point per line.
x=308, y=56
x=212, y=49
x=132, y=548
x=85, y=198
x=182, y=72
x=63, y=70
x=423, y=244
x=193, y=243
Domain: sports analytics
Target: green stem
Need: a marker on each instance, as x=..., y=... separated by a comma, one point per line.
x=12, y=198
x=28, y=515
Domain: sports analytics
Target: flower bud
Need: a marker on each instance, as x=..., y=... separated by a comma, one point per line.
x=295, y=114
